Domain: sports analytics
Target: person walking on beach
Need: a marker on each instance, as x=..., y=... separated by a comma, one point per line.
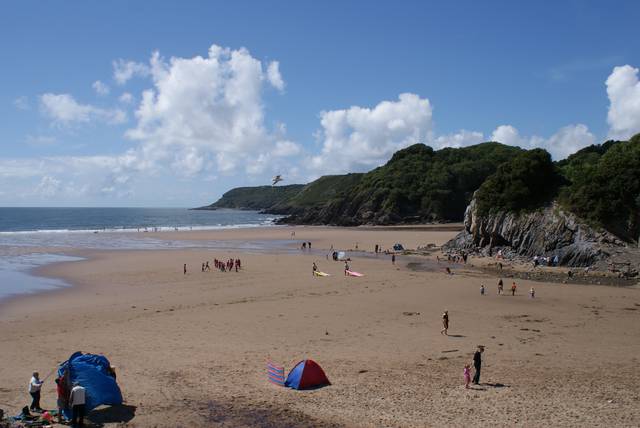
x=513, y=288
x=500, y=287
x=477, y=364
x=184, y=269
x=314, y=269
x=482, y=289
x=35, y=384
x=532, y=293
x=393, y=259
x=77, y=402
x=445, y=323
x=346, y=268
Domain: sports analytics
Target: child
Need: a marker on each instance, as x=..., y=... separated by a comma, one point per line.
x=467, y=375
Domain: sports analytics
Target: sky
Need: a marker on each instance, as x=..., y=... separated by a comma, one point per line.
x=172, y=103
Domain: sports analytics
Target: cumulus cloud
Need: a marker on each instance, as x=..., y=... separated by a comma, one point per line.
x=273, y=75
x=49, y=186
x=461, y=138
x=63, y=109
x=126, y=98
x=206, y=113
x=100, y=88
x=564, y=142
x=623, y=89
x=359, y=138
x=123, y=71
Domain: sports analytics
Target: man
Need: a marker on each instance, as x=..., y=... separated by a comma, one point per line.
x=34, y=389
x=477, y=364
x=77, y=400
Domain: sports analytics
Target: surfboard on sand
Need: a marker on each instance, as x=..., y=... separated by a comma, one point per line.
x=352, y=273
x=318, y=273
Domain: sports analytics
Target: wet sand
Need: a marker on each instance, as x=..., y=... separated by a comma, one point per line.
x=190, y=350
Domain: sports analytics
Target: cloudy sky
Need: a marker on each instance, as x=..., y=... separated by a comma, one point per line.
x=173, y=103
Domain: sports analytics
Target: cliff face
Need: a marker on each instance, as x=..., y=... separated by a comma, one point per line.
x=548, y=231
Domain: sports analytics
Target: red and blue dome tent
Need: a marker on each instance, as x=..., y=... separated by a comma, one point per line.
x=307, y=374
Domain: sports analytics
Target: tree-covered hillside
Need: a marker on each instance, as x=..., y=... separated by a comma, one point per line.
x=255, y=198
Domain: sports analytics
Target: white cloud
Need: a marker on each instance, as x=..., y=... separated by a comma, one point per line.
x=100, y=88
x=461, y=138
x=358, y=139
x=48, y=186
x=63, y=109
x=623, y=89
x=123, y=70
x=22, y=103
x=126, y=98
x=564, y=142
x=273, y=75
x=206, y=113
x=507, y=134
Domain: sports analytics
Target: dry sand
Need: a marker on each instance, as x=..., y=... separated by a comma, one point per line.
x=191, y=349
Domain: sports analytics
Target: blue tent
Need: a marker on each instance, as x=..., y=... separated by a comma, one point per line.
x=94, y=374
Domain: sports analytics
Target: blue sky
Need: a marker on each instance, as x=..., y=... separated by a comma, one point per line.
x=297, y=88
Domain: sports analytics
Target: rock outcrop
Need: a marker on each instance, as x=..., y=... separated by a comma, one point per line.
x=548, y=231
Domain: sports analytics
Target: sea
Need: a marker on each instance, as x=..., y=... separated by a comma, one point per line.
x=34, y=237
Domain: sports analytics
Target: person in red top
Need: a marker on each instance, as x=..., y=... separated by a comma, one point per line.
x=62, y=397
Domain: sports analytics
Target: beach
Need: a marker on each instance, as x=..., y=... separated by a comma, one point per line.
x=191, y=350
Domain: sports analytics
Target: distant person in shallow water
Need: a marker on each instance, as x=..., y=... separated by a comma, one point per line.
x=445, y=323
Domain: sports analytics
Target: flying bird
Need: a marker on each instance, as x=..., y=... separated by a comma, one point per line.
x=276, y=180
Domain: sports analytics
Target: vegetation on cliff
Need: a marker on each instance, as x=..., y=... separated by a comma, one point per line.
x=255, y=198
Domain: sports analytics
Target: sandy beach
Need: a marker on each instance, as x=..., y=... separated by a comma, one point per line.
x=190, y=350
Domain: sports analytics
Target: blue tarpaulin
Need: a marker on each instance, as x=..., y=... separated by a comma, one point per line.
x=93, y=373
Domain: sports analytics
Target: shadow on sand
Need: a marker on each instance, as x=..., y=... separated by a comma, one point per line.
x=103, y=415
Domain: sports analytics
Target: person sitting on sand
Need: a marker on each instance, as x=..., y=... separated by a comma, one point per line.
x=445, y=323
x=467, y=375
x=513, y=288
x=314, y=269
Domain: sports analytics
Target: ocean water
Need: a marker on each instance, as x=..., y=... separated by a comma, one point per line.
x=24, y=232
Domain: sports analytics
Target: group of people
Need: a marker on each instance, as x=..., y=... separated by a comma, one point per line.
x=221, y=265
x=69, y=397
x=547, y=261
x=305, y=246
x=514, y=287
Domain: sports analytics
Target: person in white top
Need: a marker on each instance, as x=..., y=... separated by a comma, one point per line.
x=34, y=389
x=77, y=401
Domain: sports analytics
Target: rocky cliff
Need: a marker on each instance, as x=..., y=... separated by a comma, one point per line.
x=548, y=231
